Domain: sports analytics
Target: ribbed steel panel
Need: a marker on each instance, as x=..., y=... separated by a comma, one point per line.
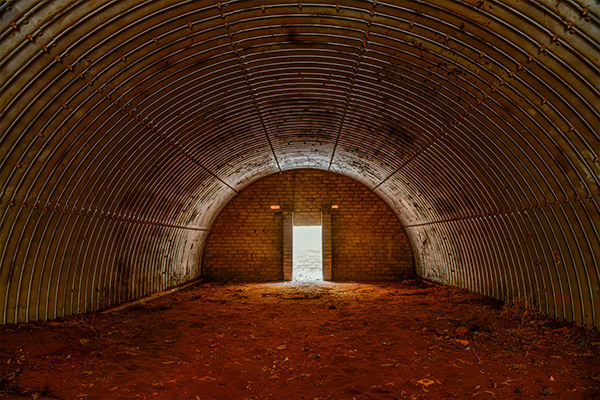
x=127, y=126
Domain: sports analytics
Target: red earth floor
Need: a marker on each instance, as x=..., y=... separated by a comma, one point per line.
x=403, y=340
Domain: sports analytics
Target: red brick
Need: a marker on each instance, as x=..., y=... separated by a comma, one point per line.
x=367, y=239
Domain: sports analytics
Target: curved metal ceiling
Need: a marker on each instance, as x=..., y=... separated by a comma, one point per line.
x=128, y=125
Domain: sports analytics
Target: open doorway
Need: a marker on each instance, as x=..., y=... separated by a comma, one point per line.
x=307, y=254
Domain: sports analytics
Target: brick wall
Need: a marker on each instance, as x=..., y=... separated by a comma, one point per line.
x=367, y=240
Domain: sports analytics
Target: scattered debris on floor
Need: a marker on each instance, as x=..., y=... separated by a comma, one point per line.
x=402, y=340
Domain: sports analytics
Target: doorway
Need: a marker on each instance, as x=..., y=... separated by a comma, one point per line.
x=307, y=253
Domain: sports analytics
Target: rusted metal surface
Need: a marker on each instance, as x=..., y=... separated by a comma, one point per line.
x=127, y=126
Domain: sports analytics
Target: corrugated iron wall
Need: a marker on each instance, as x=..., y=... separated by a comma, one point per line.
x=126, y=126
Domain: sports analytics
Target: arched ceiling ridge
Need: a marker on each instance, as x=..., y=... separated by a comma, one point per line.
x=529, y=165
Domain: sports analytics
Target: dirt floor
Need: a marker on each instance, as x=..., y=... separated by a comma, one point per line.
x=410, y=340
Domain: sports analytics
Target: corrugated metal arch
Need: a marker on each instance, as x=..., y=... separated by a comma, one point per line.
x=127, y=126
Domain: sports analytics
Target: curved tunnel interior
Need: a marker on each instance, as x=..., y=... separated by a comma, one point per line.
x=128, y=126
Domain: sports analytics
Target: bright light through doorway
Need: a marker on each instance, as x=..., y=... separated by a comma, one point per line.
x=308, y=254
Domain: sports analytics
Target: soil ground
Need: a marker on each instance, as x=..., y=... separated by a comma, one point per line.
x=403, y=340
